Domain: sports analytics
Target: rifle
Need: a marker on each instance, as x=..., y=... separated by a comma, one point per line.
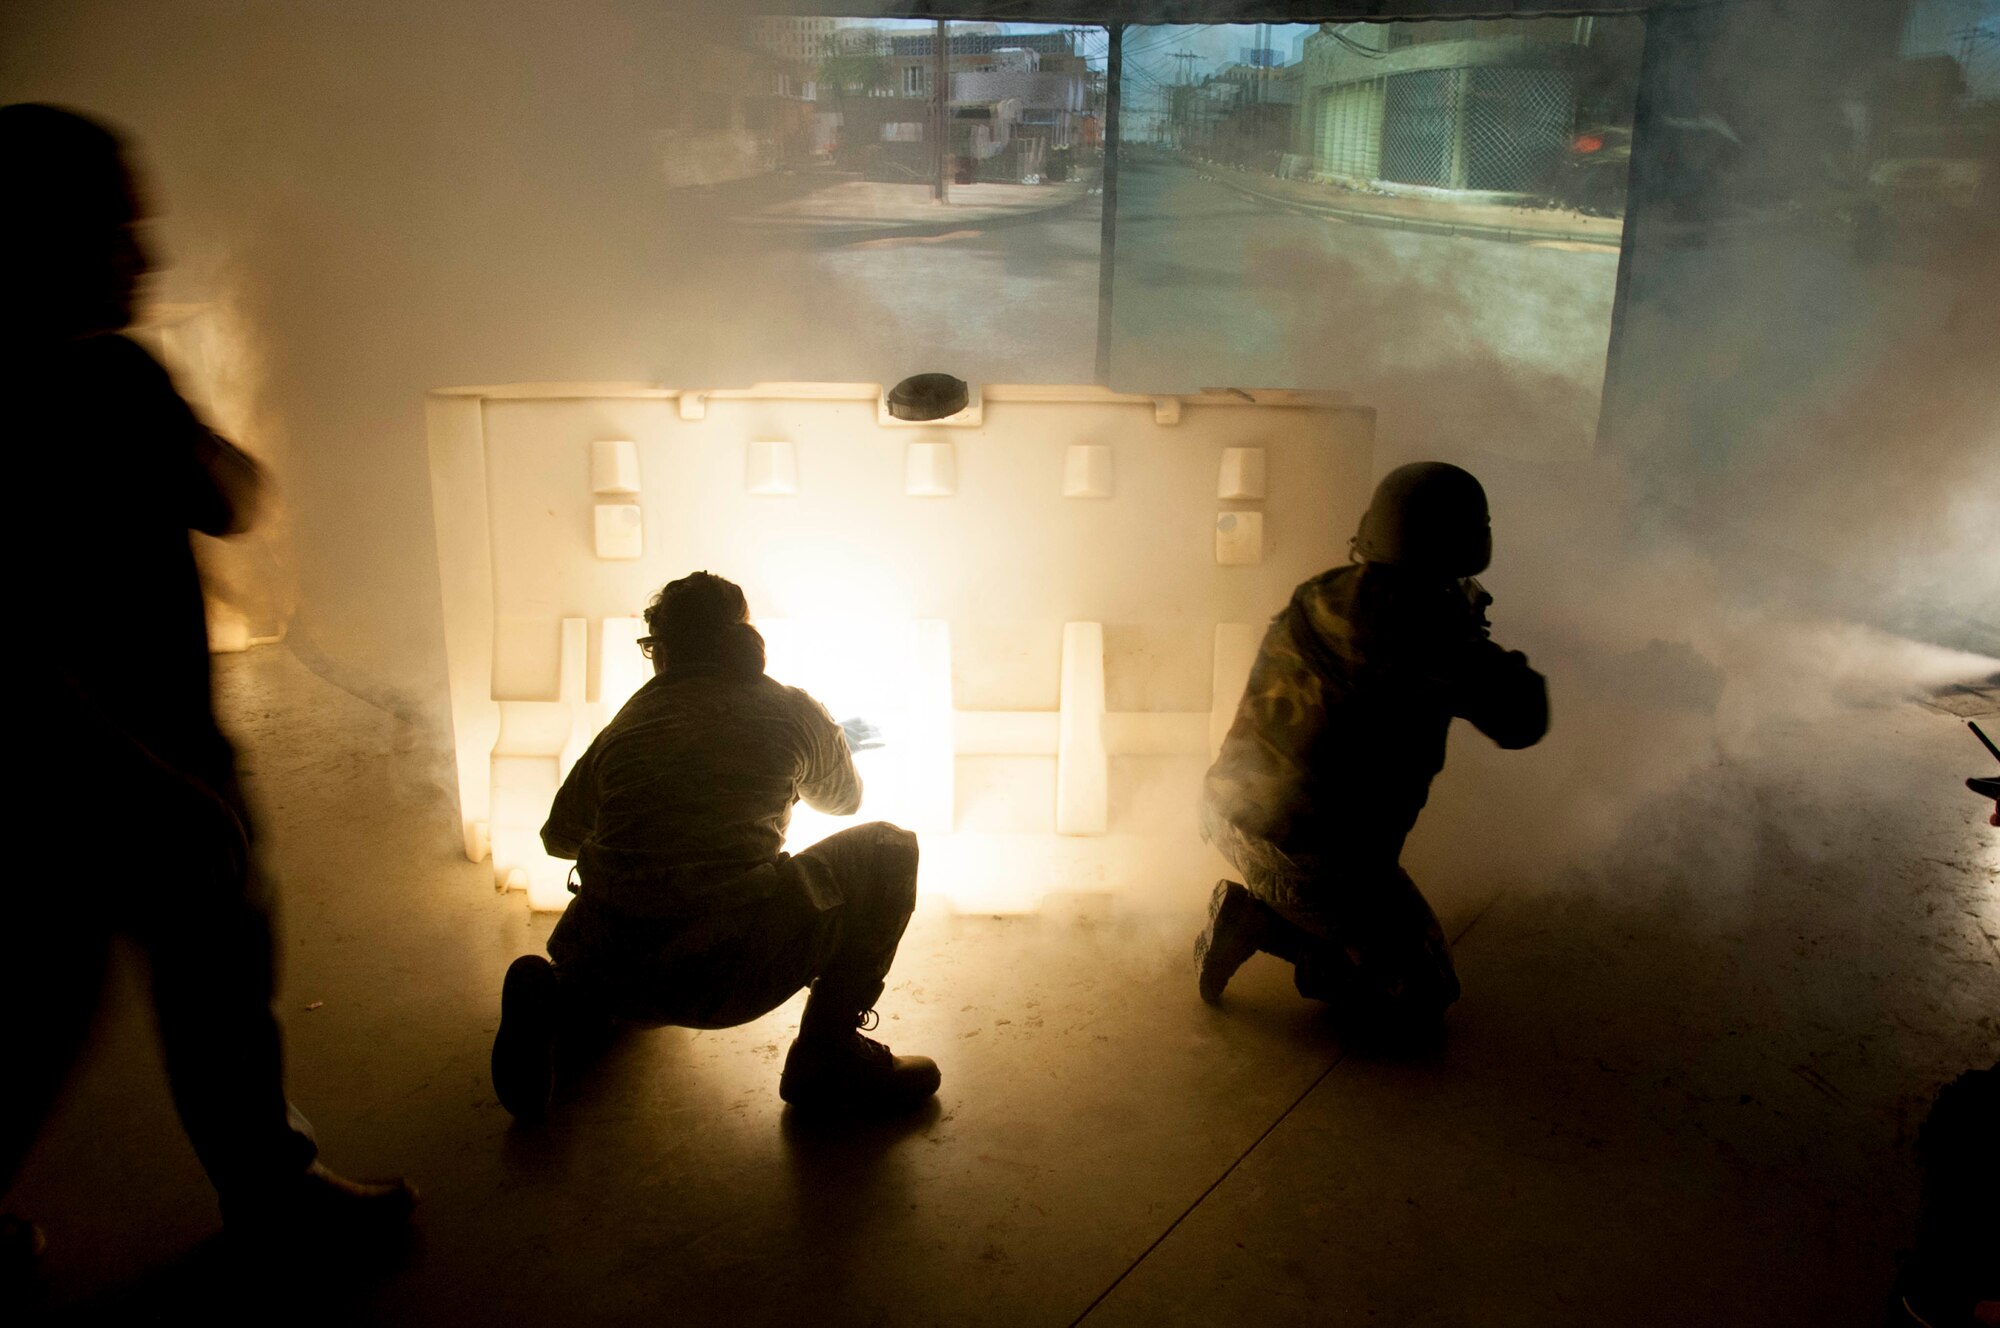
x=1985, y=787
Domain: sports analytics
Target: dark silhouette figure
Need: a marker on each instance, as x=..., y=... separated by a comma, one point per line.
x=1952, y=1278
x=1331, y=756
x=132, y=798
x=687, y=911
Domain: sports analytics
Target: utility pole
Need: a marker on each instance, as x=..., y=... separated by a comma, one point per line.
x=1107, y=256
x=1257, y=65
x=1182, y=114
x=941, y=110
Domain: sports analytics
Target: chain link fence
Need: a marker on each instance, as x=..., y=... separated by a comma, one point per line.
x=1518, y=124
x=1420, y=126
x=1492, y=128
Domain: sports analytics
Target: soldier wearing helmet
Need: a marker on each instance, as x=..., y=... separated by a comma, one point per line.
x=1335, y=743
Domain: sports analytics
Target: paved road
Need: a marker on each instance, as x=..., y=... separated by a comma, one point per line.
x=1466, y=341
x=1455, y=337
x=998, y=304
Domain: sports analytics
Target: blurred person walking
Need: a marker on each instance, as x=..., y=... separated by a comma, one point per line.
x=130, y=795
x=1330, y=758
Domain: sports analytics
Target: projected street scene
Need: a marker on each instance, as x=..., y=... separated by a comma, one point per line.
x=1357, y=205
x=914, y=190
x=948, y=190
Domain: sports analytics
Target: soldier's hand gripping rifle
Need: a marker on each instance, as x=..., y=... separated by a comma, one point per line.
x=1477, y=601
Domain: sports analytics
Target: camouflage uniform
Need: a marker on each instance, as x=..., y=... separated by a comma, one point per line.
x=1330, y=759
x=688, y=911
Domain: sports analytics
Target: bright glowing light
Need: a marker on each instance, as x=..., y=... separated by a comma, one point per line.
x=897, y=674
x=898, y=677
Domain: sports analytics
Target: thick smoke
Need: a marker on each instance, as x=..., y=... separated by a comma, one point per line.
x=1668, y=632
x=1796, y=521
x=1795, y=509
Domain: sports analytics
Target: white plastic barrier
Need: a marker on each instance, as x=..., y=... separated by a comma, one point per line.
x=1035, y=601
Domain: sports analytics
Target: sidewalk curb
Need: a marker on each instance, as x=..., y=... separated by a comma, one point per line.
x=1385, y=221
x=834, y=236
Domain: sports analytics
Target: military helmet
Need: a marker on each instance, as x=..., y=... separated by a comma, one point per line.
x=1428, y=516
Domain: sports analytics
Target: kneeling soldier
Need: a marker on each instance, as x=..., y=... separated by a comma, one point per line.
x=687, y=911
x=1332, y=752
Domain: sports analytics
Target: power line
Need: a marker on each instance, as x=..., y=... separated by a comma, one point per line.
x=1355, y=46
x=1152, y=42
x=1168, y=34
x=1146, y=76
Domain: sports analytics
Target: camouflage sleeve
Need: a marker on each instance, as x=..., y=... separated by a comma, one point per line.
x=1261, y=780
x=1504, y=698
x=1480, y=681
x=829, y=782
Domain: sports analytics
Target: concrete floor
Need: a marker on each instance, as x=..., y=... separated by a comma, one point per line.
x=1681, y=1088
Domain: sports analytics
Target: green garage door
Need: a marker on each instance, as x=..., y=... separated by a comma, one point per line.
x=1347, y=131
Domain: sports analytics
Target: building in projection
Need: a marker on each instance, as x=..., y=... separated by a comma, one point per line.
x=1488, y=111
x=804, y=40
x=1019, y=101
x=1243, y=115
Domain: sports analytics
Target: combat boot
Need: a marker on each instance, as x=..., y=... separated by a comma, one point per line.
x=847, y=1071
x=524, y=1048
x=1236, y=930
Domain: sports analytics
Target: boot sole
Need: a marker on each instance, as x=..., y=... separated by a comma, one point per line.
x=1215, y=964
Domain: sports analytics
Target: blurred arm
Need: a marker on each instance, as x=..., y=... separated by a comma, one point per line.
x=216, y=483
x=228, y=487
